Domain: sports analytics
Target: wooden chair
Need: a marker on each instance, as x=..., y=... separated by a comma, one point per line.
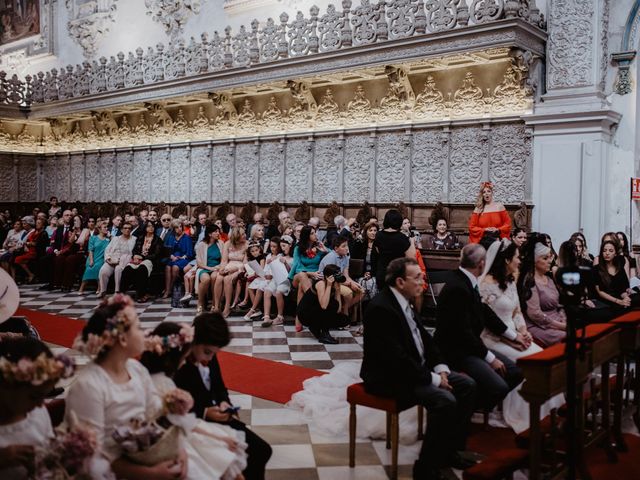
x=356, y=395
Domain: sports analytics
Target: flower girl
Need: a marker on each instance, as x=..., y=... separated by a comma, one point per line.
x=114, y=389
x=28, y=372
x=221, y=449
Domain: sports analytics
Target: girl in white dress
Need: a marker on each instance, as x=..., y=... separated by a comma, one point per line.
x=280, y=252
x=498, y=290
x=222, y=449
x=28, y=372
x=114, y=389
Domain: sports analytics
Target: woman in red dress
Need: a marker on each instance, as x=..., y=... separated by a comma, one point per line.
x=489, y=218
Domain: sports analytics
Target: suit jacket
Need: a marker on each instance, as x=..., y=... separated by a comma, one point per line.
x=59, y=239
x=188, y=378
x=392, y=366
x=155, y=249
x=460, y=318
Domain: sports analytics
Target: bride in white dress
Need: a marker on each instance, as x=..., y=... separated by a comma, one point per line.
x=498, y=290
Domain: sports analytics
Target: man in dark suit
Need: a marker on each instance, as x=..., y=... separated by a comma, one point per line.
x=461, y=317
x=402, y=361
x=59, y=239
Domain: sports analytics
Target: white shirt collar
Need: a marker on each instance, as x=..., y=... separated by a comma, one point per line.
x=404, y=303
x=472, y=278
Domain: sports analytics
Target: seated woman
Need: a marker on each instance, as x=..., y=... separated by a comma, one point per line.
x=34, y=247
x=411, y=232
x=231, y=268
x=97, y=246
x=539, y=296
x=145, y=256
x=281, y=254
x=10, y=246
x=306, y=258
x=610, y=237
x=625, y=252
x=612, y=281
x=256, y=237
x=321, y=306
x=498, y=290
x=519, y=236
x=115, y=389
x=363, y=249
x=181, y=253
x=208, y=260
x=442, y=238
x=116, y=257
x=68, y=261
x=585, y=259
x=489, y=219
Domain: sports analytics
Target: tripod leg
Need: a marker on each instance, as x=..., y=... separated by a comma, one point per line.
x=581, y=463
x=618, y=406
x=606, y=414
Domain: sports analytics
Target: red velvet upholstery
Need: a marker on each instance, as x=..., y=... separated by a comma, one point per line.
x=56, y=411
x=357, y=395
x=628, y=318
x=498, y=465
x=597, y=330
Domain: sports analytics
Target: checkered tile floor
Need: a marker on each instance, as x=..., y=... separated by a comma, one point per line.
x=299, y=452
x=279, y=343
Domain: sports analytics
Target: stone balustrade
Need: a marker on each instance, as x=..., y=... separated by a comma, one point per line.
x=263, y=43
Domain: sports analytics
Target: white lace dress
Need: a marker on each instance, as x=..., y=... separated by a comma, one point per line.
x=35, y=430
x=506, y=305
x=104, y=405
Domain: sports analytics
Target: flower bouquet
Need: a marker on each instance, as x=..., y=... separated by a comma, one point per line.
x=178, y=401
x=147, y=443
x=72, y=455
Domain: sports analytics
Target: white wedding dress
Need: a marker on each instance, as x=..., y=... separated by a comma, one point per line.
x=506, y=305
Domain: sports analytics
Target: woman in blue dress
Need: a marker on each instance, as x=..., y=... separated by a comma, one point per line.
x=181, y=247
x=97, y=245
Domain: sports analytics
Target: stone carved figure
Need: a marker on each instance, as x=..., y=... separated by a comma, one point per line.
x=247, y=212
x=364, y=214
x=303, y=213
x=521, y=216
x=332, y=212
x=159, y=115
x=272, y=214
x=105, y=123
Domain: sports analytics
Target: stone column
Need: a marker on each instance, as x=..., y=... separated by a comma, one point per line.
x=578, y=182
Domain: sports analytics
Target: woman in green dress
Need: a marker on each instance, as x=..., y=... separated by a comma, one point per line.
x=97, y=245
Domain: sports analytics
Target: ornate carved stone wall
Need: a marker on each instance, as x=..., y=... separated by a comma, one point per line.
x=419, y=166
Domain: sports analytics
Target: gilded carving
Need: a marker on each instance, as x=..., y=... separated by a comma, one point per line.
x=430, y=102
x=359, y=108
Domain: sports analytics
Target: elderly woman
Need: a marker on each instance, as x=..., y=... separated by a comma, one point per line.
x=181, y=253
x=489, y=219
x=442, y=238
x=145, y=255
x=116, y=258
x=11, y=245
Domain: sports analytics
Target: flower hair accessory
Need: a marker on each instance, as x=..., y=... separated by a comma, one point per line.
x=36, y=372
x=117, y=324
x=484, y=185
x=159, y=345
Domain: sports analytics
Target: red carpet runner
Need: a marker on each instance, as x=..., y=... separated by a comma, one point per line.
x=261, y=378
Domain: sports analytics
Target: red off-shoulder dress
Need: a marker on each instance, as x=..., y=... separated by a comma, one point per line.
x=481, y=221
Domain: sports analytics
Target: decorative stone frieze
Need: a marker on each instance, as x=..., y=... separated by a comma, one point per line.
x=172, y=14
x=89, y=22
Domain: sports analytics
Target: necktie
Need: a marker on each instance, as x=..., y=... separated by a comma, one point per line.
x=413, y=325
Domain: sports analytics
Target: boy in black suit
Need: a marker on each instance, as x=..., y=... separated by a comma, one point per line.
x=200, y=376
x=402, y=361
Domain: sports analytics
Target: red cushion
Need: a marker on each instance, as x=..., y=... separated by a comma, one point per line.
x=627, y=318
x=597, y=330
x=357, y=395
x=498, y=465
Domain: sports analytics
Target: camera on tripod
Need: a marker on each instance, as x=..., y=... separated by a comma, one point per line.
x=574, y=284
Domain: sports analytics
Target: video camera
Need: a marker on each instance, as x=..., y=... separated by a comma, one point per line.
x=574, y=283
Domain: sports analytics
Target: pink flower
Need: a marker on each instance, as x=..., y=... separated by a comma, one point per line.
x=178, y=402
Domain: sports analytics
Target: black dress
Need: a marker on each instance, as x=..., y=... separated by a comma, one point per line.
x=319, y=319
x=389, y=245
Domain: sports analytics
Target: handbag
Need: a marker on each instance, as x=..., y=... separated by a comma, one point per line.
x=176, y=294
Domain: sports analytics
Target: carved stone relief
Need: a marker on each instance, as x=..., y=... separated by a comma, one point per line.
x=172, y=14
x=141, y=175
x=107, y=176
x=429, y=156
x=28, y=179
x=222, y=173
x=89, y=22
x=271, y=171
x=391, y=162
x=77, y=177
x=510, y=147
x=92, y=177
x=49, y=177
x=359, y=157
x=200, y=174
x=570, y=45
x=7, y=178
x=298, y=170
x=179, y=185
x=160, y=174
x=63, y=177
x=469, y=149
x=326, y=169
x=124, y=174
x=246, y=172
